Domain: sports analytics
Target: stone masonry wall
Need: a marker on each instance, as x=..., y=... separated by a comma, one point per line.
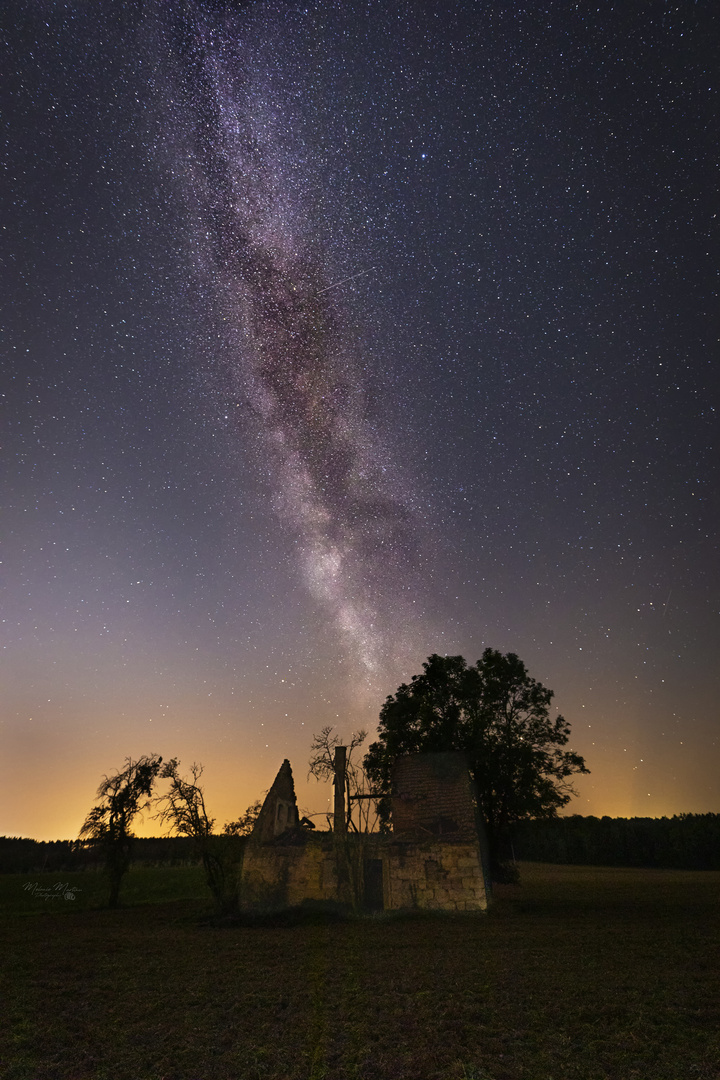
x=435, y=876
x=285, y=876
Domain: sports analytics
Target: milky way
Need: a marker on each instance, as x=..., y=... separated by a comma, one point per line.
x=252, y=188
x=336, y=334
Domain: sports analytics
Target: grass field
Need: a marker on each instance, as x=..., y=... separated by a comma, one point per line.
x=578, y=973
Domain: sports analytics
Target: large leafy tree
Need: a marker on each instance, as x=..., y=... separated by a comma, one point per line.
x=500, y=717
x=122, y=797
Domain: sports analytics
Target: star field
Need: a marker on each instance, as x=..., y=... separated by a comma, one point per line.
x=336, y=335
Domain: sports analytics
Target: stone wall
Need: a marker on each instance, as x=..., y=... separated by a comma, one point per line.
x=282, y=876
x=433, y=876
x=279, y=811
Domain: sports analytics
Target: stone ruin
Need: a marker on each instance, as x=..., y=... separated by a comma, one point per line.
x=279, y=812
x=433, y=859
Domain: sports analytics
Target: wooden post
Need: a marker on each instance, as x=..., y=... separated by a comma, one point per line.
x=339, y=817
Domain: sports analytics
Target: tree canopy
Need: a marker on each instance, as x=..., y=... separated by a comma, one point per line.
x=500, y=717
x=122, y=796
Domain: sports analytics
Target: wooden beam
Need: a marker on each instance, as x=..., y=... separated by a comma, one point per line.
x=340, y=764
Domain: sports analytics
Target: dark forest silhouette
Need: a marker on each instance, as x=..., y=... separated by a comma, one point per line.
x=682, y=842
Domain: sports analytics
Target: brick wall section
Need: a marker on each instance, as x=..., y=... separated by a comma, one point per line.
x=433, y=796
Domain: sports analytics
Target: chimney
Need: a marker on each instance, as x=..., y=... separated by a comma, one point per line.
x=340, y=820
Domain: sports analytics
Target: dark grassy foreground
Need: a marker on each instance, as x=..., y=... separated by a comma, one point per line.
x=579, y=973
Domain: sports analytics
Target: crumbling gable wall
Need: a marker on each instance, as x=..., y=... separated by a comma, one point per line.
x=279, y=811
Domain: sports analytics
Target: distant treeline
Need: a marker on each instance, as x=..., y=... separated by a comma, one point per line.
x=19, y=855
x=684, y=842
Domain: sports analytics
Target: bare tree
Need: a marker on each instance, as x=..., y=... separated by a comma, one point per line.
x=360, y=803
x=183, y=808
x=122, y=796
x=246, y=822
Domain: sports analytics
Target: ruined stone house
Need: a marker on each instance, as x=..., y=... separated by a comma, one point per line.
x=432, y=859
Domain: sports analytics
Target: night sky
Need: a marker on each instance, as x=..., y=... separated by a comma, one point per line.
x=339, y=334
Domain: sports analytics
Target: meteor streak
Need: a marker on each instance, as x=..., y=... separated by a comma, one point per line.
x=344, y=281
